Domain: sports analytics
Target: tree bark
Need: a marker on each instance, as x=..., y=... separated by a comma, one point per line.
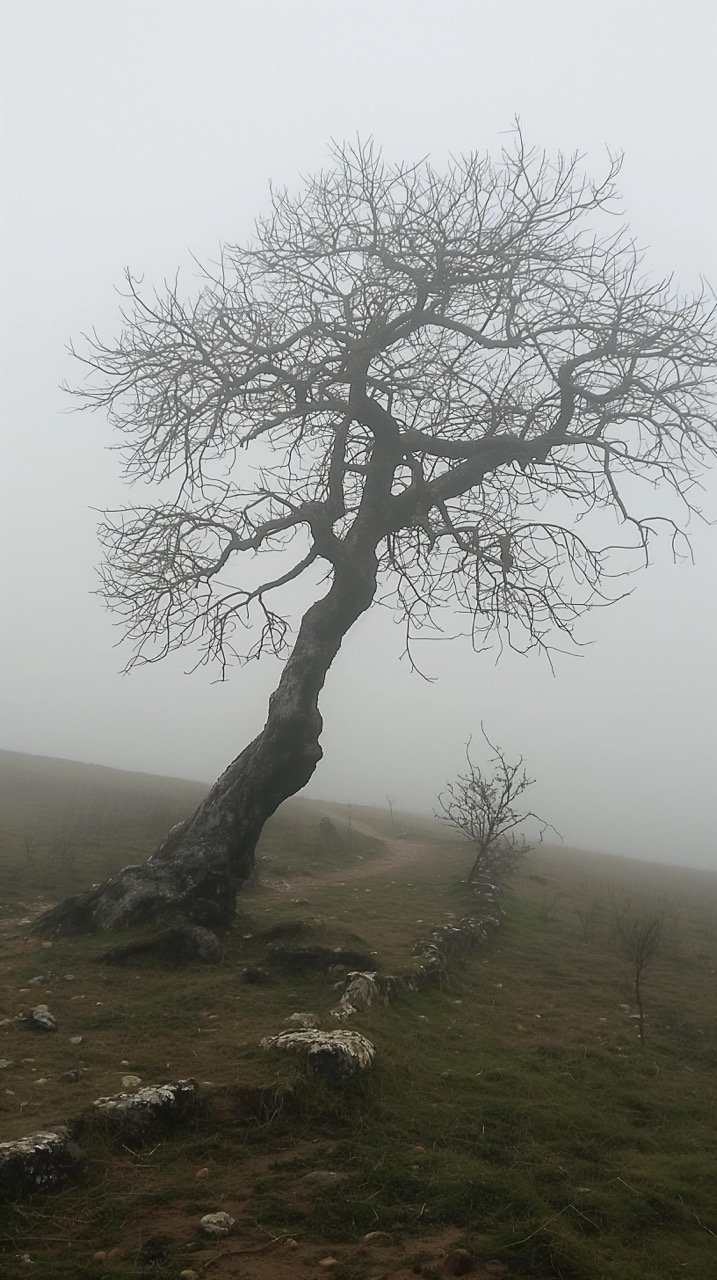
x=196, y=871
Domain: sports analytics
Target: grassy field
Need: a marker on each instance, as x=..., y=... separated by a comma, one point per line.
x=511, y=1111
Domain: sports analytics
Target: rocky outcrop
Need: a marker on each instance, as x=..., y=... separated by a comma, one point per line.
x=40, y=1162
x=332, y=1055
x=137, y=1115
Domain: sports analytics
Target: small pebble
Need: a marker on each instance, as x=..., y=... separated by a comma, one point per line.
x=328, y=1263
x=131, y=1082
x=201, y=1174
x=75, y=1039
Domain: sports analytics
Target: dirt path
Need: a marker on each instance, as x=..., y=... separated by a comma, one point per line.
x=400, y=857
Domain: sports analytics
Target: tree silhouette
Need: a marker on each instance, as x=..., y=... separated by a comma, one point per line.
x=410, y=386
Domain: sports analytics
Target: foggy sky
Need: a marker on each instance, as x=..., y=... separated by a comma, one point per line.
x=137, y=132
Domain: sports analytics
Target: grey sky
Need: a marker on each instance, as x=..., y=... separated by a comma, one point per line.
x=136, y=132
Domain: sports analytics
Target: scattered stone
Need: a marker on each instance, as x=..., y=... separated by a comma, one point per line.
x=377, y=1237
x=308, y=1020
x=5, y=1063
x=42, y=1080
x=216, y=1224
x=329, y=1263
x=201, y=1174
x=135, y=1115
x=39, y=1019
x=69, y=977
x=70, y=1077
x=329, y=1054
x=179, y=945
x=290, y=1243
x=255, y=975
x=41, y=979
x=39, y=1162
x=99, y=1256
x=131, y=1082
x=75, y=1039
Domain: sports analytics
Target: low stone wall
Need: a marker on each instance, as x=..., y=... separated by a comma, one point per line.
x=50, y=1158
x=325, y=1052
x=434, y=953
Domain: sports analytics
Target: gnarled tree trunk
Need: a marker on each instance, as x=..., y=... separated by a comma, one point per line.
x=196, y=871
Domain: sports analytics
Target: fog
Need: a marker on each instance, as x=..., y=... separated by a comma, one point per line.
x=136, y=133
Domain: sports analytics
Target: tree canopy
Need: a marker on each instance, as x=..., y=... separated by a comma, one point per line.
x=454, y=367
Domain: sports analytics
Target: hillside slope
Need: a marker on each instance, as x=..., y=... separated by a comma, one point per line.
x=512, y=1110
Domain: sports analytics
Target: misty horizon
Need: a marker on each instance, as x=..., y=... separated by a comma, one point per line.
x=114, y=161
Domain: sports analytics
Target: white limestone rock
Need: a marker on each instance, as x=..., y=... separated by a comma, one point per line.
x=134, y=1115
x=330, y=1054
x=40, y=1162
x=216, y=1224
x=39, y=1019
x=309, y=1021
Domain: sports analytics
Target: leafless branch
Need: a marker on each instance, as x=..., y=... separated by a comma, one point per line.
x=467, y=373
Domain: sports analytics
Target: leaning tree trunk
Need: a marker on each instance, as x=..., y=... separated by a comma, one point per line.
x=196, y=871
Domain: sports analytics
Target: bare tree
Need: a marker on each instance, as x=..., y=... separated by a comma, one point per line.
x=415, y=386
x=639, y=931
x=482, y=805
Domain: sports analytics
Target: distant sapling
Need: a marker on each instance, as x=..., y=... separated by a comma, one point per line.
x=482, y=804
